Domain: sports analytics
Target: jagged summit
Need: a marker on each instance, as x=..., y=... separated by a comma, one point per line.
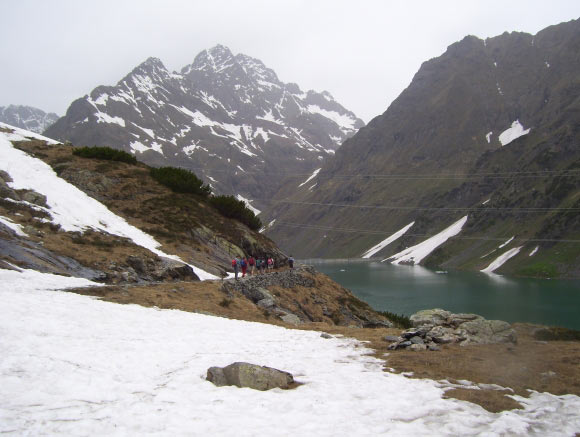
x=27, y=117
x=227, y=117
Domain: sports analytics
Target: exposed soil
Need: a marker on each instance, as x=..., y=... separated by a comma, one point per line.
x=544, y=366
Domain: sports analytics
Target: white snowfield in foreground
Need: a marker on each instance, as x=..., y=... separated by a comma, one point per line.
x=74, y=365
x=502, y=259
x=70, y=207
x=387, y=241
x=418, y=252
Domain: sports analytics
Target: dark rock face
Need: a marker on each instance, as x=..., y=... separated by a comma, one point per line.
x=226, y=117
x=250, y=375
x=27, y=117
x=449, y=121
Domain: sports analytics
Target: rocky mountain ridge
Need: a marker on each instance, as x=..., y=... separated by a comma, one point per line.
x=487, y=131
x=227, y=117
x=27, y=117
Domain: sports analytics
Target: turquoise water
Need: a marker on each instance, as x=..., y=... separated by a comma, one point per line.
x=407, y=289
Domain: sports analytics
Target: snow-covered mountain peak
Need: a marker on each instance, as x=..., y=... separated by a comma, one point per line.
x=215, y=59
x=225, y=116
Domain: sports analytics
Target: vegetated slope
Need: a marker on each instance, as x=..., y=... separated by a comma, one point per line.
x=185, y=225
x=227, y=117
x=27, y=117
x=490, y=129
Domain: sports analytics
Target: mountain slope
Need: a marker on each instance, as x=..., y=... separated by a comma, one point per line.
x=27, y=117
x=488, y=129
x=227, y=117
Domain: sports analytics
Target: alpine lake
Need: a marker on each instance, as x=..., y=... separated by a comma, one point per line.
x=407, y=289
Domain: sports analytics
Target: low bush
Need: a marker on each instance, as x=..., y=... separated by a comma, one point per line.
x=231, y=207
x=105, y=153
x=399, y=320
x=180, y=180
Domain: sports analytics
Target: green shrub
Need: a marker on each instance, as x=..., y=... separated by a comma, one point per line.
x=400, y=320
x=105, y=153
x=231, y=207
x=180, y=180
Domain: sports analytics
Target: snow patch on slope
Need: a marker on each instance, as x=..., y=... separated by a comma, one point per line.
x=512, y=133
x=415, y=254
x=248, y=203
x=386, y=241
x=501, y=260
x=312, y=176
x=69, y=207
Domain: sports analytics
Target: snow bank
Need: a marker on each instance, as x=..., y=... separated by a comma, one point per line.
x=417, y=253
x=74, y=365
x=515, y=131
x=386, y=241
x=23, y=135
x=501, y=260
x=312, y=176
x=15, y=227
x=70, y=207
x=248, y=203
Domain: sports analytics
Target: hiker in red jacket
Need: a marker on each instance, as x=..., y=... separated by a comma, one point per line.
x=244, y=264
x=252, y=263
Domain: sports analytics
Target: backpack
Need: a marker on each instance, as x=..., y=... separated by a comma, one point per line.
x=234, y=263
x=244, y=262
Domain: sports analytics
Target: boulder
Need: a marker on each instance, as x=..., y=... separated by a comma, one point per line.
x=482, y=331
x=416, y=340
x=431, y=317
x=291, y=318
x=249, y=375
x=34, y=198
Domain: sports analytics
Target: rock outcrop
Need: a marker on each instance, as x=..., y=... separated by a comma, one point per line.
x=343, y=309
x=436, y=326
x=249, y=375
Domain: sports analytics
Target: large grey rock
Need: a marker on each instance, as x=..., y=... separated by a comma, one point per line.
x=431, y=317
x=291, y=318
x=249, y=375
x=34, y=198
x=443, y=335
x=482, y=331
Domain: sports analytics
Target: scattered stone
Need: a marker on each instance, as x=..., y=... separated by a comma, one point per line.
x=433, y=347
x=416, y=340
x=249, y=375
x=325, y=335
x=291, y=318
x=266, y=303
x=34, y=198
x=392, y=338
x=417, y=347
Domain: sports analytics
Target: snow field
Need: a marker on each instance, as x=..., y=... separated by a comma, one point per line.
x=74, y=365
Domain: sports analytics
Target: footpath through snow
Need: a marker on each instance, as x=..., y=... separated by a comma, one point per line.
x=74, y=365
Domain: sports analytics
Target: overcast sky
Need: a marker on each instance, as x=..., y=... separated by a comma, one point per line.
x=365, y=52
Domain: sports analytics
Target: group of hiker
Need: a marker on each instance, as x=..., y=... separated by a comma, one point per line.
x=257, y=265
